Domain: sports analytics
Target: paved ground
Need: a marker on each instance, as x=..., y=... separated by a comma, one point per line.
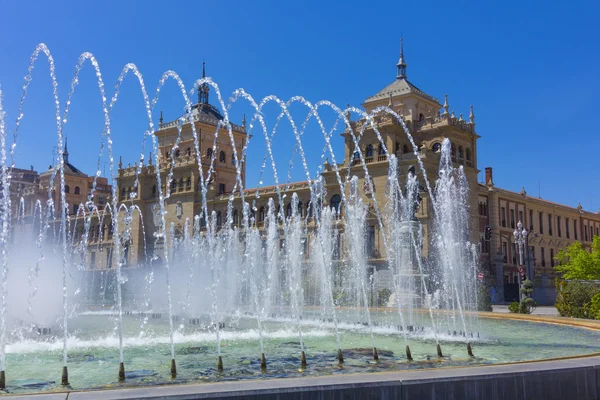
x=544, y=310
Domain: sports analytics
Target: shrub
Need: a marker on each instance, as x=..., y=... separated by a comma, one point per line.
x=594, y=308
x=527, y=304
x=384, y=297
x=514, y=307
x=574, y=299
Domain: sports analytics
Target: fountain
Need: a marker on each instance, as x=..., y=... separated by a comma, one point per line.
x=291, y=281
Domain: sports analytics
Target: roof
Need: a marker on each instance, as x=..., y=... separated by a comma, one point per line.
x=540, y=200
x=204, y=112
x=70, y=169
x=399, y=87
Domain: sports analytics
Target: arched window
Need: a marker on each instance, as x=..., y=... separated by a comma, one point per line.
x=123, y=193
x=437, y=147
x=75, y=208
x=380, y=150
x=222, y=156
x=397, y=147
x=370, y=150
x=453, y=150
x=236, y=218
x=233, y=159
x=76, y=190
x=261, y=214
x=67, y=189
x=288, y=210
x=188, y=183
x=421, y=117
x=356, y=155
x=468, y=154
x=335, y=202
x=219, y=219
x=188, y=152
x=180, y=184
x=460, y=152
x=300, y=208
x=177, y=153
x=309, y=210
x=209, y=153
x=405, y=149
x=153, y=189
x=173, y=184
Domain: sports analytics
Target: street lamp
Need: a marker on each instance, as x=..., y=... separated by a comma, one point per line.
x=520, y=235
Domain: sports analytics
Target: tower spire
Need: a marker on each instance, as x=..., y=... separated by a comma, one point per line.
x=401, y=66
x=203, y=89
x=66, y=152
x=446, y=106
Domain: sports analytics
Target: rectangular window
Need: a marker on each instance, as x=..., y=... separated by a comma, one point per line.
x=543, y=253
x=521, y=219
x=532, y=254
x=531, y=220
x=552, y=257
x=575, y=229
x=567, y=228
x=512, y=218
x=503, y=217
x=371, y=250
x=513, y=250
x=558, y=228
x=550, y=224
x=585, y=232
x=541, y=221
x=591, y=233
x=221, y=188
x=505, y=251
x=109, y=258
x=100, y=199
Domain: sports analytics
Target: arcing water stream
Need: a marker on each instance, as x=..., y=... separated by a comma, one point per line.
x=302, y=264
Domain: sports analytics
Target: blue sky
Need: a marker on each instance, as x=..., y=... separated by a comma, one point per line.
x=529, y=68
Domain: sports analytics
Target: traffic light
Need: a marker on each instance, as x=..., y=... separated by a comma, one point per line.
x=487, y=233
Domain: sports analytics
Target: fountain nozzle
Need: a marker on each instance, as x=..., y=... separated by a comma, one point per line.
x=340, y=357
x=303, y=359
x=65, y=376
x=121, y=372
x=439, y=351
x=173, y=369
x=375, y=355
x=220, y=364
x=470, y=350
x=263, y=362
x=408, y=354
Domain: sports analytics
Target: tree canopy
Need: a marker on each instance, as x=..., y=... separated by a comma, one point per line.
x=575, y=263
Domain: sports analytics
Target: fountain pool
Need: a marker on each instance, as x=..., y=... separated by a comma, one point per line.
x=94, y=353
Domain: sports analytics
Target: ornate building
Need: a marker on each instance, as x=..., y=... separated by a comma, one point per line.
x=427, y=119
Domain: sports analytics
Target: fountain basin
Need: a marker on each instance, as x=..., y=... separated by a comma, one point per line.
x=508, y=342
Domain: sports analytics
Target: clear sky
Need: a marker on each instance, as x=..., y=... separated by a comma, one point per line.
x=530, y=69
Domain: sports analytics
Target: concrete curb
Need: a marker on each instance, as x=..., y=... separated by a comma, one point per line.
x=577, y=378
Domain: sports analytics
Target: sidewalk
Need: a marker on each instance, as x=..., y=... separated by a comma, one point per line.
x=543, y=310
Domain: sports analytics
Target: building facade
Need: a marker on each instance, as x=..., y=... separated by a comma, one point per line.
x=552, y=227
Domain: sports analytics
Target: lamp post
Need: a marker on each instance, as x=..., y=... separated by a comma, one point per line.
x=520, y=235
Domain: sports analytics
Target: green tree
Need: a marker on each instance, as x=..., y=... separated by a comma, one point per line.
x=575, y=263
